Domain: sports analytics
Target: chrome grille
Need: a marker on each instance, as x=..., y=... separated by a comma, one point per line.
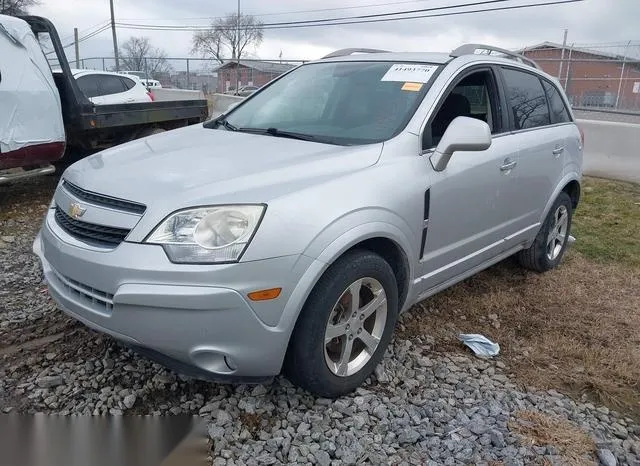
x=102, y=200
x=89, y=232
x=97, y=299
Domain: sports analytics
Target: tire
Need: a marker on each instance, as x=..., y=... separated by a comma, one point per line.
x=539, y=257
x=308, y=359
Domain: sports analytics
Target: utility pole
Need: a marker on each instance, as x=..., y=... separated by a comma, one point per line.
x=115, y=40
x=564, y=46
x=624, y=62
x=75, y=40
x=238, y=50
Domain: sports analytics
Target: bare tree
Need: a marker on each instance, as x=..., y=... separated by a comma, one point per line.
x=224, y=37
x=138, y=54
x=16, y=7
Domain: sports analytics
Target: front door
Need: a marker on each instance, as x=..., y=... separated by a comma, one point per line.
x=470, y=201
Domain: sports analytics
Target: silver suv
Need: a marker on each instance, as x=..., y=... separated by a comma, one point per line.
x=288, y=234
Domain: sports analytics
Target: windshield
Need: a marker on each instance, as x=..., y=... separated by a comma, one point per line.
x=343, y=103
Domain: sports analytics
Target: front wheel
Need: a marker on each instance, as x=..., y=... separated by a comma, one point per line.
x=345, y=326
x=548, y=248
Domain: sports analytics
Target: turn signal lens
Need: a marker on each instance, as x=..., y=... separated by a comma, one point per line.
x=265, y=295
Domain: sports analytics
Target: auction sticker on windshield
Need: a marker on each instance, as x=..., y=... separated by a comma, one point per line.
x=409, y=73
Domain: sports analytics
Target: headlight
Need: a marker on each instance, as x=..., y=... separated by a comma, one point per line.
x=208, y=235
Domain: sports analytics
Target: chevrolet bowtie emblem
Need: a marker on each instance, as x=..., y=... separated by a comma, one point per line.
x=76, y=210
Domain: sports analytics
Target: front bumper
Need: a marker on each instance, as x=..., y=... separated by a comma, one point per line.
x=186, y=315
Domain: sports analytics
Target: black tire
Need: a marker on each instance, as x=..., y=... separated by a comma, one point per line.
x=535, y=258
x=305, y=363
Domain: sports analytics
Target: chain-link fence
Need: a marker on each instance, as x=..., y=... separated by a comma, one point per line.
x=208, y=76
x=603, y=77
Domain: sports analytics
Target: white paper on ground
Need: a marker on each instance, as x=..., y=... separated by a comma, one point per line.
x=479, y=344
x=30, y=109
x=412, y=73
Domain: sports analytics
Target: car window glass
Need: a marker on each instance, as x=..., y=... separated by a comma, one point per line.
x=111, y=85
x=472, y=97
x=526, y=99
x=559, y=112
x=344, y=103
x=89, y=85
x=128, y=83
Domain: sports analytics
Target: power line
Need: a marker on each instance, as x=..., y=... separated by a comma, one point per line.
x=88, y=36
x=283, y=13
x=82, y=31
x=294, y=25
x=357, y=17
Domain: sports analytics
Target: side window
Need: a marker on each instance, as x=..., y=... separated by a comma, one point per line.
x=559, y=112
x=89, y=85
x=474, y=96
x=128, y=83
x=526, y=99
x=110, y=85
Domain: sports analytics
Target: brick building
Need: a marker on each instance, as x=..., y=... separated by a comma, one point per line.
x=250, y=73
x=591, y=77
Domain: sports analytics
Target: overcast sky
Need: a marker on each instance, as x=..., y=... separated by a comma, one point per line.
x=590, y=21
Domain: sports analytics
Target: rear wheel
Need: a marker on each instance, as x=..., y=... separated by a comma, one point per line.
x=345, y=326
x=551, y=242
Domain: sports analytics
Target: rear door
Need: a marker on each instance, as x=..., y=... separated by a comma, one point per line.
x=541, y=136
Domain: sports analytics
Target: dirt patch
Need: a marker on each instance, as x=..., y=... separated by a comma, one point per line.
x=536, y=429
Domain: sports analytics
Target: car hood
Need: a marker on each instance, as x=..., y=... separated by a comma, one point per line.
x=197, y=165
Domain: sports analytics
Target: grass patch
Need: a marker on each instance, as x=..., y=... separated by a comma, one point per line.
x=575, y=329
x=537, y=429
x=607, y=221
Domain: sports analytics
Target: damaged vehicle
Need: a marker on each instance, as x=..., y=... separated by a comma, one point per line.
x=288, y=234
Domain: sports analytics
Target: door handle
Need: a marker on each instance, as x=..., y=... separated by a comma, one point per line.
x=558, y=150
x=508, y=165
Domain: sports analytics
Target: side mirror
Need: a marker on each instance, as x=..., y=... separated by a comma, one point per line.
x=463, y=133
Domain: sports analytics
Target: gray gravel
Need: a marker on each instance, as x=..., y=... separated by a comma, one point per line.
x=420, y=407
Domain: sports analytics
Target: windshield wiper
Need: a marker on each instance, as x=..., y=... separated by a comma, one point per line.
x=221, y=120
x=279, y=133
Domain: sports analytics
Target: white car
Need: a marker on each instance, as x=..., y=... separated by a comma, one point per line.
x=106, y=88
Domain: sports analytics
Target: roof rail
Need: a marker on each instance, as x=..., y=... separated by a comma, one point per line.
x=470, y=49
x=345, y=52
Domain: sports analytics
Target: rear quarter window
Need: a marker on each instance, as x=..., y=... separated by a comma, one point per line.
x=557, y=108
x=526, y=99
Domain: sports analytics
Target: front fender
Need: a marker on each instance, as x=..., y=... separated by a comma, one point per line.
x=329, y=245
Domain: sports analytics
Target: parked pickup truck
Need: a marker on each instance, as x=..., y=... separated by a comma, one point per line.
x=46, y=120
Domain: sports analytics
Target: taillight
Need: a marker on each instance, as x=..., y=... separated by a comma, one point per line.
x=150, y=94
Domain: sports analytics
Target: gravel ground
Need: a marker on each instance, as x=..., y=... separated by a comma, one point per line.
x=422, y=406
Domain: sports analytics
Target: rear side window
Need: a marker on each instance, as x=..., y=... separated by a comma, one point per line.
x=128, y=83
x=526, y=99
x=111, y=85
x=89, y=85
x=558, y=110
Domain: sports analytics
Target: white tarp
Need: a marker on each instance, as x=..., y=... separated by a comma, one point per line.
x=30, y=110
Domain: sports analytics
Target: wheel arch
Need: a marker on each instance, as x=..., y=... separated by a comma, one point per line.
x=569, y=184
x=383, y=238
